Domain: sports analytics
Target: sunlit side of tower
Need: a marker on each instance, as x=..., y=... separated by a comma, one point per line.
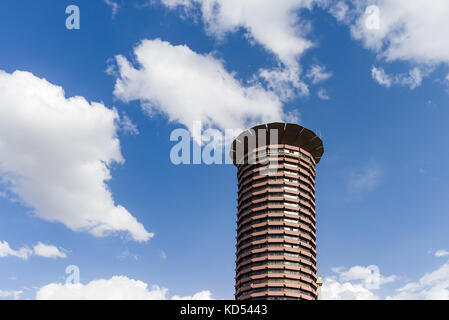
x=276, y=233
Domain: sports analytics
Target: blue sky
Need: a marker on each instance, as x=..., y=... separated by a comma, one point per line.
x=378, y=100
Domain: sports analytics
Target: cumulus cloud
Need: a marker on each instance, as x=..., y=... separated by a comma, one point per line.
x=116, y=288
x=400, y=30
x=6, y=294
x=278, y=26
x=339, y=10
x=48, y=251
x=275, y=25
x=409, y=30
x=441, y=253
x=22, y=253
x=188, y=87
x=334, y=290
x=56, y=153
x=413, y=79
x=202, y=295
x=381, y=77
x=432, y=286
x=318, y=74
x=356, y=283
x=40, y=249
x=369, y=276
x=362, y=283
x=285, y=83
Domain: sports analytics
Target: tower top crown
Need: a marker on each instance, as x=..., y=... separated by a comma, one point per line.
x=287, y=133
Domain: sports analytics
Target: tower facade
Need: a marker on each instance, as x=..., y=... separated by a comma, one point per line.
x=276, y=233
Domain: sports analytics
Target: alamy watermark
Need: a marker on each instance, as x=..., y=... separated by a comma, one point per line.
x=213, y=146
x=372, y=17
x=73, y=21
x=73, y=275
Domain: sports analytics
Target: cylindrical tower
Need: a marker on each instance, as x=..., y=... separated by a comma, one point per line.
x=276, y=233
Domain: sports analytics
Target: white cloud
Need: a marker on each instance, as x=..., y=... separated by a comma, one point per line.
x=356, y=283
x=202, y=295
x=400, y=30
x=362, y=282
x=4, y=294
x=275, y=25
x=335, y=290
x=284, y=82
x=22, y=253
x=413, y=79
x=187, y=87
x=339, y=11
x=322, y=94
x=48, y=251
x=116, y=288
x=369, y=276
x=409, y=30
x=127, y=126
x=114, y=6
x=432, y=286
x=381, y=77
x=40, y=249
x=278, y=26
x=55, y=154
x=318, y=74
x=441, y=253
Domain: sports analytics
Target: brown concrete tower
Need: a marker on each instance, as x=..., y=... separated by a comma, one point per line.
x=276, y=234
